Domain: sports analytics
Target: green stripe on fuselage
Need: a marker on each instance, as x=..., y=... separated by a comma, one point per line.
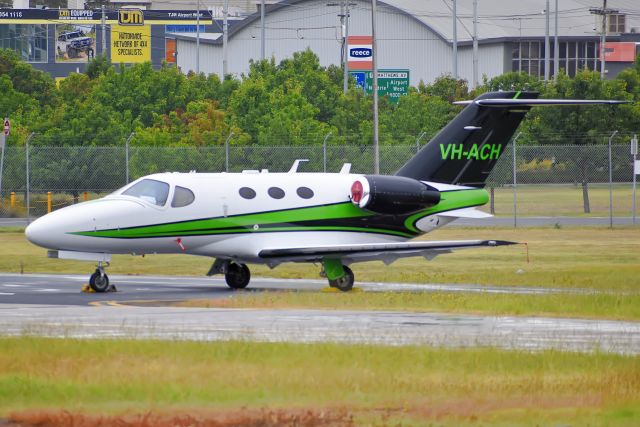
x=234, y=223
x=450, y=200
x=294, y=219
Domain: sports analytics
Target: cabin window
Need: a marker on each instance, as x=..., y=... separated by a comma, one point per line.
x=276, y=192
x=247, y=193
x=305, y=192
x=150, y=190
x=182, y=197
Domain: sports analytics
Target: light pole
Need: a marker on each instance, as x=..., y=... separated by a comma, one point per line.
x=376, y=147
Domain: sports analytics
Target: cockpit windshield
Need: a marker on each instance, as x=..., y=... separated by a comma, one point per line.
x=150, y=190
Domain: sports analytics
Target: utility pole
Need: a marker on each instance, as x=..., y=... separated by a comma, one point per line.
x=198, y=38
x=225, y=44
x=103, y=26
x=455, y=41
x=262, y=41
x=604, y=12
x=376, y=147
x=556, y=47
x=547, y=46
x=346, y=48
x=475, y=44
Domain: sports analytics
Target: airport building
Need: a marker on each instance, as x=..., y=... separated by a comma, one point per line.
x=414, y=36
x=418, y=36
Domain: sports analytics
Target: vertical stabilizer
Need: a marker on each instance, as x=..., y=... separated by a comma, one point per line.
x=465, y=151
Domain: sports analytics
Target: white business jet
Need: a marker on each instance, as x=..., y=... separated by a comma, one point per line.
x=335, y=219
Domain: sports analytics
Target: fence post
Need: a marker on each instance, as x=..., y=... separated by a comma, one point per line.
x=3, y=140
x=324, y=152
x=418, y=141
x=611, y=182
x=634, y=153
x=226, y=152
x=515, y=183
x=27, y=184
x=126, y=156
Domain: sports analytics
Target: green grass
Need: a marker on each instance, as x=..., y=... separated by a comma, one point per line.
x=597, y=306
x=596, y=258
x=562, y=200
x=412, y=385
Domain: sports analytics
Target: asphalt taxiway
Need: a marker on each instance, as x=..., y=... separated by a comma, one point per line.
x=60, y=289
x=52, y=305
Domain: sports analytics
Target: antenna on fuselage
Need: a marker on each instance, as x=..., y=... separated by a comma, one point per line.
x=294, y=167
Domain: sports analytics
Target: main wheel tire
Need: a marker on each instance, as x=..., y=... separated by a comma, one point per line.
x=237, y=276
x=344, y=283
x=99, y=282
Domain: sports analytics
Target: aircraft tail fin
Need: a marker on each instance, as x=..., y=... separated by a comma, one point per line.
x=466, y=150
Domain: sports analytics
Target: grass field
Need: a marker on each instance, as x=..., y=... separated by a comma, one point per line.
x=374, y=385
x=596, y=258
x=599, y=259
x=562, y=200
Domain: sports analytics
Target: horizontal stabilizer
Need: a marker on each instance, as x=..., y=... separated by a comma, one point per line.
x=502, y=102
x=375, y=251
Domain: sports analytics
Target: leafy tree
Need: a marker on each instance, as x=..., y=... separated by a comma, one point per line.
x=98, y=66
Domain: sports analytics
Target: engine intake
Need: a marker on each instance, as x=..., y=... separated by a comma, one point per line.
x=392, y=195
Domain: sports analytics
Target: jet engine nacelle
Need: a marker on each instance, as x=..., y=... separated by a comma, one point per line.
x=392, y=195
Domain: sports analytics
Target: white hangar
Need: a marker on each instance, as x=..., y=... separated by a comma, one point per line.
x=418, y=35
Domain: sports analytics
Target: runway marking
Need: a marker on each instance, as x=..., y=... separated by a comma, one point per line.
x=47, y=290
x=7, y=293
x=11, y=285
x=96, y=303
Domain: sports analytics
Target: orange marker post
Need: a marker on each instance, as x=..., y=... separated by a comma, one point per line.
x=85, y=196
x=49, y=202
x=12, y=200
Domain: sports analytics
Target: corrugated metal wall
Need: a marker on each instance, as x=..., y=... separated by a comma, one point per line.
x=403, y=42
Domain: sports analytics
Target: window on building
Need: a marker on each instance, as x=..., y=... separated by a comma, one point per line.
x=29, y=41
x=617, y=23
x=573, y=56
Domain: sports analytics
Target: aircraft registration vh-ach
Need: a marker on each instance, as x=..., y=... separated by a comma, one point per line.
x=335, y=219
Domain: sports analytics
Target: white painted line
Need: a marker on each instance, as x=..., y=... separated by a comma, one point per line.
x=6, y=293
x=13, y=286
x=47, y=290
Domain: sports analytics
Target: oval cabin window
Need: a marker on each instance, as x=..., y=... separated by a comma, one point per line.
x=305, y=192
x=247, y=193
x=276, y=193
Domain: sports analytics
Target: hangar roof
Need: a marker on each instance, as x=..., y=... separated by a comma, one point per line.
x=497, y=19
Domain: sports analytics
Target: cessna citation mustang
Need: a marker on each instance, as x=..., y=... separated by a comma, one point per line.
x=335, y=219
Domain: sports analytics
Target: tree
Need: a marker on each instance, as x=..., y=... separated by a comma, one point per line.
x=580, y=125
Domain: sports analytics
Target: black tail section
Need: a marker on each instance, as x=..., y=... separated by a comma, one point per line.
x=465, y=151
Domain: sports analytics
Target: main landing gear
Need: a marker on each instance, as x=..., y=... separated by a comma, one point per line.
x=99, y=281
x=236, y=275
x=340, y=276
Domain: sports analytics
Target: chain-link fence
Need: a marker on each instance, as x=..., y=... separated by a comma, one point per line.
x=551, y=180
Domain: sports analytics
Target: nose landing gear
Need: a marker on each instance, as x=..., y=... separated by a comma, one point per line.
x=99, y=281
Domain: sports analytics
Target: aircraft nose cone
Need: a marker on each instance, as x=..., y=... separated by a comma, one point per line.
x=41, y=232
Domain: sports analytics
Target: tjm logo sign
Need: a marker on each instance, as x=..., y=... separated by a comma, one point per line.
x=130, y=17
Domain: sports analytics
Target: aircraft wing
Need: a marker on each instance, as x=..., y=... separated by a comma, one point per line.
x=386, y=252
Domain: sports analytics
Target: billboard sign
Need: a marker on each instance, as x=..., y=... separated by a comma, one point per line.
x=619, y=51
x=130, y=44
x=360, y=49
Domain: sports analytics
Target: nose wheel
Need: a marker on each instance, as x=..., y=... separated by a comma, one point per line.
x=99, y=281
